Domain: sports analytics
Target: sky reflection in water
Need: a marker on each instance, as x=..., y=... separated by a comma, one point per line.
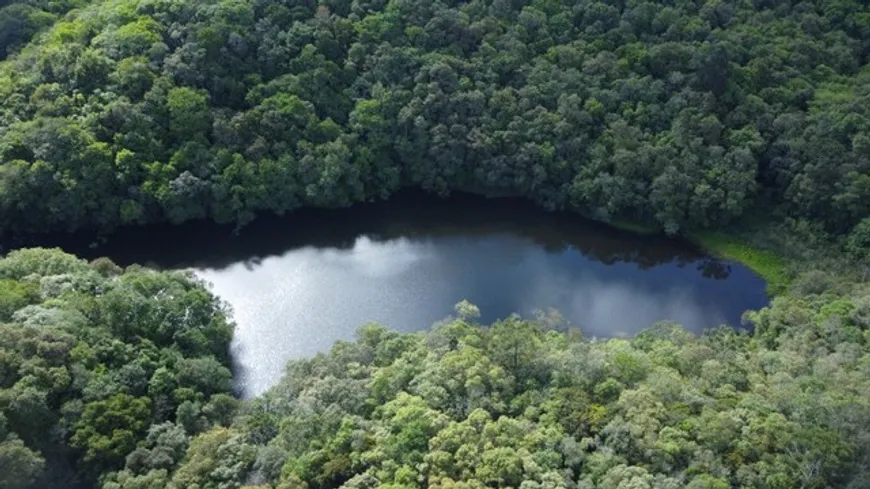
x=300, y=282
x=301, y=302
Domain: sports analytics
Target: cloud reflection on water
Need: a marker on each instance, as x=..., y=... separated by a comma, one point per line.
x=301, y=302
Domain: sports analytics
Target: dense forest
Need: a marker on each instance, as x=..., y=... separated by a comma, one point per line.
x=681, y=114
x=118, y=379
x=21, y=20
x=98, y=365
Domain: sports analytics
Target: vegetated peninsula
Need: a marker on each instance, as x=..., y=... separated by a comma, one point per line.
x=687, y=117
x=120, y=380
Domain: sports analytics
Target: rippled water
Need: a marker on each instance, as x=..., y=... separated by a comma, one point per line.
x=301, y=282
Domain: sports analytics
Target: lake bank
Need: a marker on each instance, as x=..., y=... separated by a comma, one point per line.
x=299, y=283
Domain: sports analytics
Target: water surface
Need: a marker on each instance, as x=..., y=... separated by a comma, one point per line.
x=299, y=283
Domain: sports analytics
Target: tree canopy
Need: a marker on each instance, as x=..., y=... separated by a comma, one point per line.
x=20, y=20
x=97, y=364
x=118, y=379
x=680, y=114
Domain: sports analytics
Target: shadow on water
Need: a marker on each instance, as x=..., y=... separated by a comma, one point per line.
x=299, y=283
x=410, y=214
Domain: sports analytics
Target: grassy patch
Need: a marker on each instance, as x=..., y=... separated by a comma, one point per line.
x=633, y=226
x=767, y=264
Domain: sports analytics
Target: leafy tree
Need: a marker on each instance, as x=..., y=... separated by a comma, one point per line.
x=216, y=458
x=189, y=114
x=80, y=396
x=21, y=466
x=108, y=429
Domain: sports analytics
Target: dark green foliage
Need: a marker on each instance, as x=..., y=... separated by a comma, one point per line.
x=858, y=241
x=21, y=466
x=108, y=430
x=21, y=20
x=681, y=116
x=676, y=114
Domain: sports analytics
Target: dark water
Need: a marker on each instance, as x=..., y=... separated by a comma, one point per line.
x=301, y=282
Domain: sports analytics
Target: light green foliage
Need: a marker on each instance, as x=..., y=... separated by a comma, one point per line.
x=40, y=262
x=15, y=295
x=155, y=479
x=94, y=362
x=471, y=406
x=767, y=264
x=216, y=459
x=126, y=392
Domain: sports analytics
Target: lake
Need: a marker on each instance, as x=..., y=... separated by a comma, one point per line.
x=299, y=283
